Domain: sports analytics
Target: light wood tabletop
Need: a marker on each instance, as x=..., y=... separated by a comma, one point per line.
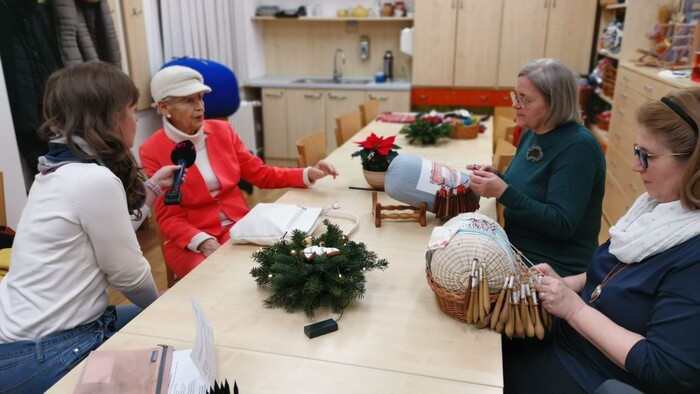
x=395, y=339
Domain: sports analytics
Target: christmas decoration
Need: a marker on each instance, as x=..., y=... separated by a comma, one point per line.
x=427, y=130
x=377, y=152
x=304, y=276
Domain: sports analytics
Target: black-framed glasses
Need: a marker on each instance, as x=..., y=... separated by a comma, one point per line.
x=520, y=101
x=644, y=156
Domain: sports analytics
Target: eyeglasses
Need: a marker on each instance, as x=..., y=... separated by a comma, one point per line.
x=520, y=101
x=189, y=101
x=644, y=156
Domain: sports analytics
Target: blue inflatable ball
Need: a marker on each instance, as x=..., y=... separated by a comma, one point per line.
x=224, y=99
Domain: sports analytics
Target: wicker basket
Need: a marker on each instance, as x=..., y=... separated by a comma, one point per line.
x=465, y=132
x=452, y=303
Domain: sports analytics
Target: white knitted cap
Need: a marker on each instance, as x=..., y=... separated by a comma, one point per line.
x=177, y=81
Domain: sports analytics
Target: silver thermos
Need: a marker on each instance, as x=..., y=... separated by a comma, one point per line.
x=388, y=65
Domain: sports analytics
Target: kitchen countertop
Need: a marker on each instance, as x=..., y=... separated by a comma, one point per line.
x=286, y=82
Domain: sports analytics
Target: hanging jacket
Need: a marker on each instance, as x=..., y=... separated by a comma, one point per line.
x=85, y=31
x=29, y=55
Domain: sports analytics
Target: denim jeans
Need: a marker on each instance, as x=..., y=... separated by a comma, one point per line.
x=34, y=366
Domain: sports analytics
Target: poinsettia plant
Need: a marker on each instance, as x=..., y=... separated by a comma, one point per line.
x=377, y=152
x=427, y=130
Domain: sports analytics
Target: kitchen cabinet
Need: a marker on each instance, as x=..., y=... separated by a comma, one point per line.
x=274, y=111
x=306, y=110
x=533, y=29
x=456, y=42
x=339, y=102
x=390, y=101
x=289, y=114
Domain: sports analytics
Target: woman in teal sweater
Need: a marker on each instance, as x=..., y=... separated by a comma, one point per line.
x=553, y=188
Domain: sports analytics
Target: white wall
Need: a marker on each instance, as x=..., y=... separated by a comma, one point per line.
x=15, y=189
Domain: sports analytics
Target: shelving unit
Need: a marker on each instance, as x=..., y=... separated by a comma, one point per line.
x=605, y=92
x=333, y=19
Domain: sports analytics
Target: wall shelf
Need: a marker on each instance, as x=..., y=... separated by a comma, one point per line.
x=333, y=19
x=602, y=95
x=606, y=53
x=616, y=6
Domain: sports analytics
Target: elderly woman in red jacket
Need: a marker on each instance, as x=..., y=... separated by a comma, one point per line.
x=211, y=199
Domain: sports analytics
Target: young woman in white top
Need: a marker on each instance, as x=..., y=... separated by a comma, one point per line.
x=75, y=236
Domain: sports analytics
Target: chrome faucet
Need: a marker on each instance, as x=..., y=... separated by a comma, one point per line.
x=338, y=71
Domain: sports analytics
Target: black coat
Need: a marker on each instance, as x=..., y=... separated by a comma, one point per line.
x=29, y=54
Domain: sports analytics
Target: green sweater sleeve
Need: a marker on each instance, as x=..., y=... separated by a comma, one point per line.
x=568, y=191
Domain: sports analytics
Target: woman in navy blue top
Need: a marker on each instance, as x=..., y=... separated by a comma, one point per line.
x=634, y=314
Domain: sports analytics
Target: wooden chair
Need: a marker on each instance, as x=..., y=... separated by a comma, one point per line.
x=312, y=148
x=502, y=157
x=348, y=124
x=503, y=128
x=170, y=276
x=369, y=110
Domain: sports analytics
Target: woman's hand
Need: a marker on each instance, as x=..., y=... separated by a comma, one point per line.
x=322, y=169
x=487, y=183
x=546, y=270
x=209, y=246
x=482, y=167
x=164, y=176
x=558, y=298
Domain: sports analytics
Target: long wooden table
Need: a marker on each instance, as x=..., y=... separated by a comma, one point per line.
x=395, y=339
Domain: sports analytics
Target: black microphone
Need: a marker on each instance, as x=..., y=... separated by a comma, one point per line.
x=184, y=155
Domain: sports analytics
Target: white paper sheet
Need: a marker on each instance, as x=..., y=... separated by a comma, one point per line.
x=203, y=354
x=184, y=375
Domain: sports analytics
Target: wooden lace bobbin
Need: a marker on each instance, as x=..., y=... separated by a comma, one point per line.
x=539, y=327
x=525, y=311
x=496, y=314
x=504, y=316
x=416, y=213
x=519, y=327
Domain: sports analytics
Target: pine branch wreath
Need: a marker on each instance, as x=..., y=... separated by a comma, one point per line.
x=301, y=284
x=427, y=130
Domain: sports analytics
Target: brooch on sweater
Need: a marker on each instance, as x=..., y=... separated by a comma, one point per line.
x=535, y=153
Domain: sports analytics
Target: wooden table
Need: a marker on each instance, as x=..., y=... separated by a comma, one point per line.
x=395, y=339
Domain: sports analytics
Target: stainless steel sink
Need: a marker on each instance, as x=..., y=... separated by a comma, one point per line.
x=342, y=81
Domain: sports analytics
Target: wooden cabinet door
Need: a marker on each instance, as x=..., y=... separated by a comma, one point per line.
x=274, y=110
x=523, y=33
x=137, y=50
x=570, y=33
x=434, y=42
x=339, y=102
x=391, y=101
x=478, y=38
x=306, y=114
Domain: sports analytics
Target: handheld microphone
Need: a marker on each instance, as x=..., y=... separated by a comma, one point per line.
x=184, y=155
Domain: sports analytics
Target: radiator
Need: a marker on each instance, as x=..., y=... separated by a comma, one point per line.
x=246, y=124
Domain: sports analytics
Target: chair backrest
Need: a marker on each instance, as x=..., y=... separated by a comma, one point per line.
x=502, y=157
x=504, y=128
x=3, y=214
x=348, y=124
x=369, y=110
x=312, y=148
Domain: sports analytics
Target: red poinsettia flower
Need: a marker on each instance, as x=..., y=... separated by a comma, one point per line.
x=380, y=144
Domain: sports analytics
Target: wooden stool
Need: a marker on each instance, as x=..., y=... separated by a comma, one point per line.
x=377, y=208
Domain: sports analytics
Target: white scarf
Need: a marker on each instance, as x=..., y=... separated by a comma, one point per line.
x=651, y=227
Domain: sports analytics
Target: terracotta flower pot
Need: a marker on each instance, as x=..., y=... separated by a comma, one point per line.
x=375, y=178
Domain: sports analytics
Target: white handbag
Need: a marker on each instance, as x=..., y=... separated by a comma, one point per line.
x=267, y=224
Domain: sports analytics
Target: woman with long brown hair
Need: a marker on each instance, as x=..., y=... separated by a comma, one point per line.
x=75, y=237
